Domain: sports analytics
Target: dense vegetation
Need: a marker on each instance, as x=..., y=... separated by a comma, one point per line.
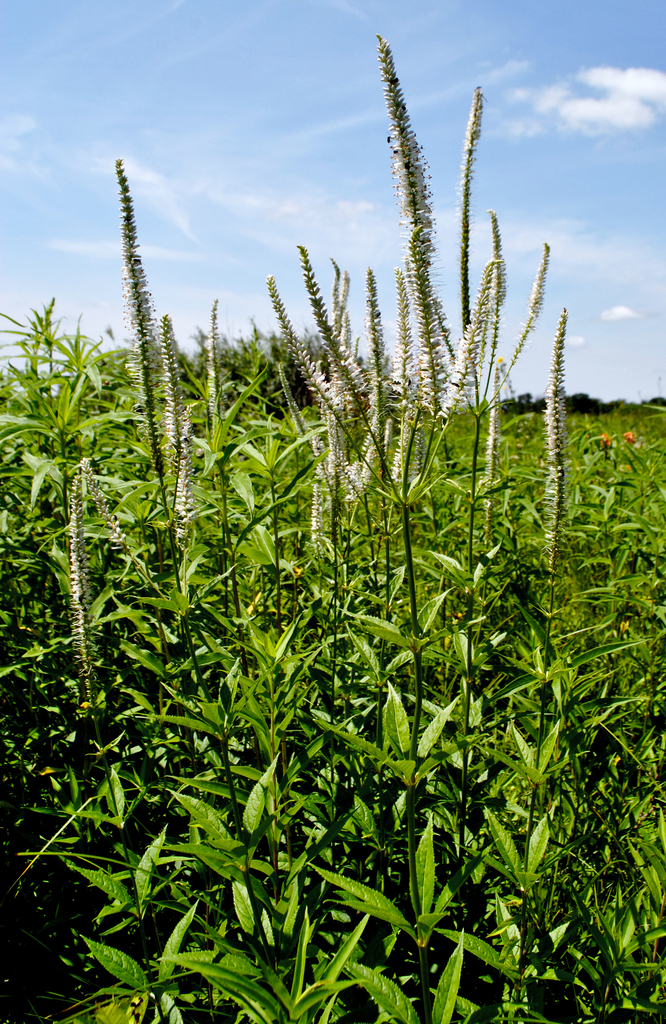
x=310, y=719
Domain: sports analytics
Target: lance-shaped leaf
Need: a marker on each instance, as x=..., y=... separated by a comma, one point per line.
x=256, y=800
x=174, y=942
x=117, y=963
x=205, y=815
x=449, y=983
x=538, y=844
x=301, y=956
x=385, y=993
x=434, y=728
x=112, y=886
x=252, y=996
x=396, y=723
x=383, y=629
x=425, y=868
x=145, y=869
x=367, y=900
x=505, y=845
x=484, y=952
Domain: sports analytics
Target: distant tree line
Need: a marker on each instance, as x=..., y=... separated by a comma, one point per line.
x=580, y=402
x=241, y=358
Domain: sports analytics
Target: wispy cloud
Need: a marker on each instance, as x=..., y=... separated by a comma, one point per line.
x=621, y=313
x=508, y=70
x=622, y=99
x=12, y=130
x=576, y=341
x=344, y=6
x=111, y=250
x=163, y=195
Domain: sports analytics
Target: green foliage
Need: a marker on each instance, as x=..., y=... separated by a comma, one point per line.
x=402, y=774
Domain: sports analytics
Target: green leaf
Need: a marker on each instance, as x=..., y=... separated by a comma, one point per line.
x=116, y=797
x=504, y=843
x=173, y=943
x=425, y=868
x=455, y=883
x=301, y=956
x=385, y=993
x=429, y=611
x=315, y=995
x=250, y=994
x=243, y=907
x=449, y=983
x=254, y=807
x=338, y=962
x=380, y=756
x=367, y=900
x=144, y=658
x=210, y=819
x=242, y=485
x=453, y=570
x=481, y=949
x=366, y=652
x=383, y=629
x=119, y=964
x=41, y=469
x=113, y=887
x=145, y=869
x=523, y=769
x=363, y=816
x=396, y=723
x=636, y=1003
x=434, y=728
x=257, y=799
x=598, y=652
x=538, y=844
x=548, y=747
x=118, y=1011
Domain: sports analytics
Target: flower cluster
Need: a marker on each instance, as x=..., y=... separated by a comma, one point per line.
x=79, y=575
x=556, y=445
x=116, y=535
x=178, y=432
x=144, y=365
x=430, y=377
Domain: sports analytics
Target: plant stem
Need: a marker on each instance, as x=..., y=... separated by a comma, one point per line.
x=238, y=824
x=535, y=786
x=411, y=788
x=467, y=682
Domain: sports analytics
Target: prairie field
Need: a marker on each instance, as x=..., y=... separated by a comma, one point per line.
x=332, y=688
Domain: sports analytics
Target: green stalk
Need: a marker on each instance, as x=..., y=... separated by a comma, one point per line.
x=411, y=788
x=276, y=542
x=234, y=581
x=124, y=841
x=238, y=824
x=535, y=786
x=470, y=616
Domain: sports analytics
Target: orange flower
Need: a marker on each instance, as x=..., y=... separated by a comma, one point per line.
x=630, y=437
x=605, y=441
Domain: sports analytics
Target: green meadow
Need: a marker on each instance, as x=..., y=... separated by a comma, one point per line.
x=331, y=686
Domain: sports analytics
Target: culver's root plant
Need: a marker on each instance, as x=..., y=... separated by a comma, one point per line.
x=344, y=708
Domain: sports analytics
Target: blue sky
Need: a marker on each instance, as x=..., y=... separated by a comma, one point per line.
x=249, y=128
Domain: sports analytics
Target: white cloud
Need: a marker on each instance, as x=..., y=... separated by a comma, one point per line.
x=12, y=129
x=576, y=341
x=319, y=221
x=162, y=194
x=111, y=250
x=347, y=8
x=621, y=313
x=631, y=98
x=508, y=70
